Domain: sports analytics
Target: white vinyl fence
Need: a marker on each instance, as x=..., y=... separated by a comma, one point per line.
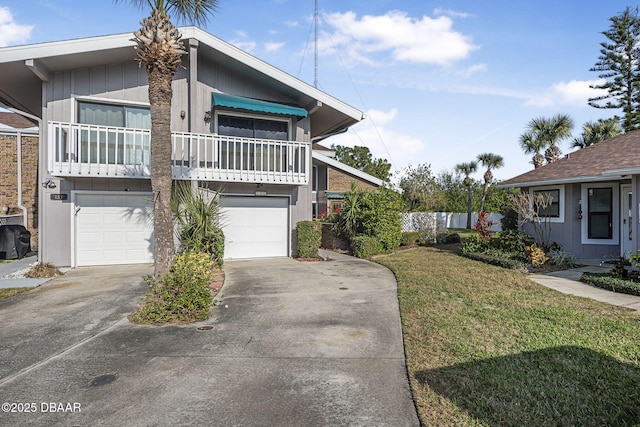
x=416, y=221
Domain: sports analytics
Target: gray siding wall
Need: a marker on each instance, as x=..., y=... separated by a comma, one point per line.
x=127, y=82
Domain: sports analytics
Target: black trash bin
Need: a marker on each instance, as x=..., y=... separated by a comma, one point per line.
x=15, y=241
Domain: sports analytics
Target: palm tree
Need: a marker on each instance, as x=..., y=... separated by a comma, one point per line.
x=467, y=169
x=530, y=144
x=546, y=133
x=489, y=161
x=160, y=50
x=594, y=132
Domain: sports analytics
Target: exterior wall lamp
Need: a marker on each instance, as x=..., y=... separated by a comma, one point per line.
x=207, y=116
x=5, y=209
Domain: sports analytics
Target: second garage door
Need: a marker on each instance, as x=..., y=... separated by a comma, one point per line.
x=114, y=229
x=255, y=227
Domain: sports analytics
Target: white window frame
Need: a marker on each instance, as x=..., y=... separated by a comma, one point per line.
x=615, y=214
x=561, y=202
x=97, y=100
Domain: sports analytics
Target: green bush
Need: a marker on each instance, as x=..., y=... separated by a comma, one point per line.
x=181, y=296
x=562, y=259
x=474, y=243
x=372, y=213
x=509, y=220
x=366, y=246
x=409, y=238
x=512, y=241
x=611, y=283
x=309, y=238
x=493, y=259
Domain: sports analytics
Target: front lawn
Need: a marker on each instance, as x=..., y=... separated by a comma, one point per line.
x=485, y=346
x=9, y=292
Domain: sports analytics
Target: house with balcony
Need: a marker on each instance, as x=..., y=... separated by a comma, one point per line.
x=240, y=127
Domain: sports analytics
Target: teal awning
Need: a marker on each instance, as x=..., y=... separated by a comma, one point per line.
x=239, y=102
x=335, y=196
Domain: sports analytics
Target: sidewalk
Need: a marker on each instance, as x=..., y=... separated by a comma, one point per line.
x=12, y=273
x=568, y=282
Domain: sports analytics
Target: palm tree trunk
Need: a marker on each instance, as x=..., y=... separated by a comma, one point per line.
x=470, y=197
x=484, y=195
x=160, y=93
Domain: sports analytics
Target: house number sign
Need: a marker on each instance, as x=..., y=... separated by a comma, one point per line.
x=60, y=196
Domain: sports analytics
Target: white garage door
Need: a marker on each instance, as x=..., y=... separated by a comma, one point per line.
x=255, y=227
x=114, y=229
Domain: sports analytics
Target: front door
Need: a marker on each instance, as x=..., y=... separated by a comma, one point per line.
x=626, y=213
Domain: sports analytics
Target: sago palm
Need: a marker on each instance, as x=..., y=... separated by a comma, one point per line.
x=160, y=50
x=489, y=161
x=467, y=169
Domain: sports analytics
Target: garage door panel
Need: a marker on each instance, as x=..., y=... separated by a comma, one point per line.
x=255, y=227
x=113, y=229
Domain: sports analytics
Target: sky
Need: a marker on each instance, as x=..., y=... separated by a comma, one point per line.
x=439, y=81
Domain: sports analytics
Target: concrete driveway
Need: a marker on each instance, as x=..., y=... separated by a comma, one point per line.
x=292, y=343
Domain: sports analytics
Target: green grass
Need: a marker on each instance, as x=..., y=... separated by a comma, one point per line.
x=462, y=232
x=485, y=346
x=9, y=292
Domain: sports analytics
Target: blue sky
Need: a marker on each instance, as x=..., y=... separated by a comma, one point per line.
x=440, y=81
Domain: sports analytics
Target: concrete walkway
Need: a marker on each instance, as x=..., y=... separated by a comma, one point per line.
x=568, y=282
x=291, y=344
x=11, y=273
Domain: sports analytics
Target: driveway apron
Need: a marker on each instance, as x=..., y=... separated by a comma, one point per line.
x=291, y=343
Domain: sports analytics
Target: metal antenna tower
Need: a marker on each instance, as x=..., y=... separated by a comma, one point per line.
x=315, y=50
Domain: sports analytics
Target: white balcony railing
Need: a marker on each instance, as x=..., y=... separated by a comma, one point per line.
x=102, y=151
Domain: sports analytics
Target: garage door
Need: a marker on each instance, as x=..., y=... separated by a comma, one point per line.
x=114, y=229
x=255, y=227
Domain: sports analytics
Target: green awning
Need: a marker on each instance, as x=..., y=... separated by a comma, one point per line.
x=335, y=196
x=239, y=102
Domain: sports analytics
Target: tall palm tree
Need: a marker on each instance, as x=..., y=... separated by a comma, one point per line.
x=594, y=132
x=160, y=50
x=489, y=161
x=551, y=131
x=467, y=169
x=531, y=144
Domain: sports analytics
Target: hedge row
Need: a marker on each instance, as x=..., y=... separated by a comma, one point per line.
x=499, y=261
x=611, y=283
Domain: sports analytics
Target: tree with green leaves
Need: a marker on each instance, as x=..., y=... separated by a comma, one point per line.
x=546, y=133
x=594, y=132
x=360, y=157
x=160, y=49
x=490, y=161
x=617, y=66
x=419, y=189
x=467, y=169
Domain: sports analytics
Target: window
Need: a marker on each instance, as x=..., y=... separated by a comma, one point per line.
x=554, y=197
x=551, y=199
x=110, y=147
x=600, y=213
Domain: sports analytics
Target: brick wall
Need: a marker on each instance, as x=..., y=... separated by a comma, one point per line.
x=9, y=178
x=341, y=181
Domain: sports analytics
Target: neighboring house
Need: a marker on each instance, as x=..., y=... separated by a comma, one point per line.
x=331, y=179
x=239, y=126
x=19, y=173
x=595, y=193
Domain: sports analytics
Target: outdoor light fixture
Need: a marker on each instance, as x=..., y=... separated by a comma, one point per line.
x=49, y=183
x=5, y=209
x=182, y=114
x=207, y=116
x=33, y=208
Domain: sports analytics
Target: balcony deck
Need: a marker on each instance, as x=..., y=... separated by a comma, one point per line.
x=79, y=150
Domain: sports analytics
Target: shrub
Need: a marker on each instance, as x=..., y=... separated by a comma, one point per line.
x=309, y=238
x=509, y=220
x=483, y=227
x=497, y=260
x=619, y=267
x=536, y=255
x=611, y=283
x=562, y=259
x=409, y=238
x=366, y=246
x=181, y=296
x=512, y=241
x=473, y=243
x=197, y=214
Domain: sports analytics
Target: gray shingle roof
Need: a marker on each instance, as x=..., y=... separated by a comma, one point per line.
x=617, y=155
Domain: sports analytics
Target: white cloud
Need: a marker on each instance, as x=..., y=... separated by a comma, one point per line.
x=273, y=46
x=10, y=32
x=448, y=12
x=395, y=34
x=573, y=93
x=376, y=132
x=469, y=71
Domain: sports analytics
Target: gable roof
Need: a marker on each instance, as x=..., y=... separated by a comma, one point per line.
x=346, y=168
x=23, y=68
x=606, y=160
